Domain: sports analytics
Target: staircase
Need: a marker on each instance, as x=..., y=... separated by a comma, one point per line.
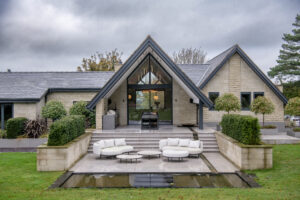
x=147, y=141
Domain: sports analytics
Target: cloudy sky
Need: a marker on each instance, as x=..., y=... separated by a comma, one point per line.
x=54, y=35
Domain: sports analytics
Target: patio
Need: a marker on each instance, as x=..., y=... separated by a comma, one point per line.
x=209, y=162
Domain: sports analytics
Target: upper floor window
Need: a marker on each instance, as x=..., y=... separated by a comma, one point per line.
x=213, y=96
x=245, y=100
x=258, y=94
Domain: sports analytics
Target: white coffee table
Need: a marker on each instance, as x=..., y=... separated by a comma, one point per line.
x=149, y=153
x=129, y=158
x=175, y=154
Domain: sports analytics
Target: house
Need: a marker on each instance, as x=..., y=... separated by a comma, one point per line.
x=148, y=80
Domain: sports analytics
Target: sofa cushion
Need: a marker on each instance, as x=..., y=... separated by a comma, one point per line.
x=109, y=143
x=111, y=151
x=184, y=142
x=163, y=143
x=194, y=144
x=173, y=141
x=189, y=149
x=120, y=142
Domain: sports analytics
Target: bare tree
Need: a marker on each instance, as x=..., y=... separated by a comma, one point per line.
x=189, y=56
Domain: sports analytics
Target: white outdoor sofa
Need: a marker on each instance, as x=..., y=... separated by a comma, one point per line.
x=193, y=147
x=112, y=147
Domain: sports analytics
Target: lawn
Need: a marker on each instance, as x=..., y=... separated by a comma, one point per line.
x=20, y=180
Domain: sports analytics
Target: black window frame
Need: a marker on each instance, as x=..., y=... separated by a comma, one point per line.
x=211, y=93
x=258, y=93
x=243, y=93
x=2, y=113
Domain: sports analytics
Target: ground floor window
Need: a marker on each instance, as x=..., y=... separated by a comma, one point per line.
x=245, y=100
x=258, y=94
x=6, y=112
x=213, y=96
x=158, y=100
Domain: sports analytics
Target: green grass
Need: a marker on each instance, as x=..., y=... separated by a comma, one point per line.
x=20, y=180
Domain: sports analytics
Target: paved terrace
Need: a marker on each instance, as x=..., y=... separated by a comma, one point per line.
x=91, y=163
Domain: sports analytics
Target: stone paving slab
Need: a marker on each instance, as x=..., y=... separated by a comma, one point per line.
x=279, y=139
x=91, y=163
x=220, y=163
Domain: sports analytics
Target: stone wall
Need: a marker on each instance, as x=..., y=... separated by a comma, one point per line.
x=28, y=110
x=68, y=98
x=183, y=110
x=119, y=101
x=236, y=77
x=245, y=156
x=61, y=158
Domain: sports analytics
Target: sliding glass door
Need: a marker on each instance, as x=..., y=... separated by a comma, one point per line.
x=6, y=112
x=149, y=90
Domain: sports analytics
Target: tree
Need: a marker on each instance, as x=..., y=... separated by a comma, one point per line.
x=288, y=67
x=79, y=108
x=227, y=102
x=101, y=62
x=293, y=107
x=54, y=110
x=189, y=56
x=291, y=89
x=263, y=106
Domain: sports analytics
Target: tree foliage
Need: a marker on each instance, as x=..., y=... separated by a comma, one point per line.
x=288, y=67
x=291, y=89
x=293, y=107
x=54, y=110
x=189, y=56
x=263, y=106
x=227, y=102
x=101, y=62
x=79, y=108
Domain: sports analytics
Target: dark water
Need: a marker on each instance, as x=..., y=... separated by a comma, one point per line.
x=154, y=180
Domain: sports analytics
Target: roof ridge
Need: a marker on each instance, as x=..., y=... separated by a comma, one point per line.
x=230, y=48
x=56, y=72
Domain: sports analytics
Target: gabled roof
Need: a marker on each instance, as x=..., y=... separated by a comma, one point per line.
x=219, y=61
x=149, y=42
x=31, y=86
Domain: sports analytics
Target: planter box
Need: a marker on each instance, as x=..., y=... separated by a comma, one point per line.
x=21, y=144
x=61, y=158
x=245, y=156
x=290, y=132
x=269, y=131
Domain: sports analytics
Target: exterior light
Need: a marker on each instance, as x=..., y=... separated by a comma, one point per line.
x=129, y=97
x=155, y=97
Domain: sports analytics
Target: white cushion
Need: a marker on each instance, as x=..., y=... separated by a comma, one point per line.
x=194, y=144
x=184, y=142
x=109, y=143
x=175, y=153
x=163, y=143
x=111, y=112
x=111, y=151
x=189, y=149
x=120, y=142
x=173, y=141
x=125, y=149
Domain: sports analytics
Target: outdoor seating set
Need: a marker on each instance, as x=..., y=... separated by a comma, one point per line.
x=171, y=148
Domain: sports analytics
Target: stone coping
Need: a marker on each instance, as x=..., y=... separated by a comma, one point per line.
x=65, y=146
x=243, y=145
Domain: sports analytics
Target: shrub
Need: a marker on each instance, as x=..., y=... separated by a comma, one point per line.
x=15, y=127
x=227, y=102
x=34, y=128
x=293, y=107
x=54, y=110
x=263, y=106
x=2, y=133
x=242, y=128
x=66, y=129
x=297, y=129
x=79, y=108
x=269, y=127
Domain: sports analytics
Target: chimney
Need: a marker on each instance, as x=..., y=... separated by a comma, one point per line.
x=8, y=70
x=118, y=66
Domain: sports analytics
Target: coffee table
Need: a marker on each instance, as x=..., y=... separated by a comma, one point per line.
x=129, y=158
x=149, y=153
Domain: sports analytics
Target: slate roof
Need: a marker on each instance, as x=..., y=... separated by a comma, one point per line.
x=195, y=72
x=33, y=85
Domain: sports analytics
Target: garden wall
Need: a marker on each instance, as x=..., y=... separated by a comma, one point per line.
x=245, y=156
x=61, y=158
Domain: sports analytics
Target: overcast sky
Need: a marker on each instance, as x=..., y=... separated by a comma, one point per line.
x=54, y=35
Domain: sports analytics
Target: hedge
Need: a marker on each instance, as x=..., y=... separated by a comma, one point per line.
x=66, y=129
x=242, y=128
x=15, y=127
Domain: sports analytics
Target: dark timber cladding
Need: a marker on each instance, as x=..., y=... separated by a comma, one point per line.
x=149, y=42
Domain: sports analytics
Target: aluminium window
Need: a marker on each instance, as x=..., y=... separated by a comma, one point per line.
x=213, y=96
x=245, y=100
x=257, y=94
x=6, y=112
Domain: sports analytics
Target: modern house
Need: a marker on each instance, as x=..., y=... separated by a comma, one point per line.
x=148, y=80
